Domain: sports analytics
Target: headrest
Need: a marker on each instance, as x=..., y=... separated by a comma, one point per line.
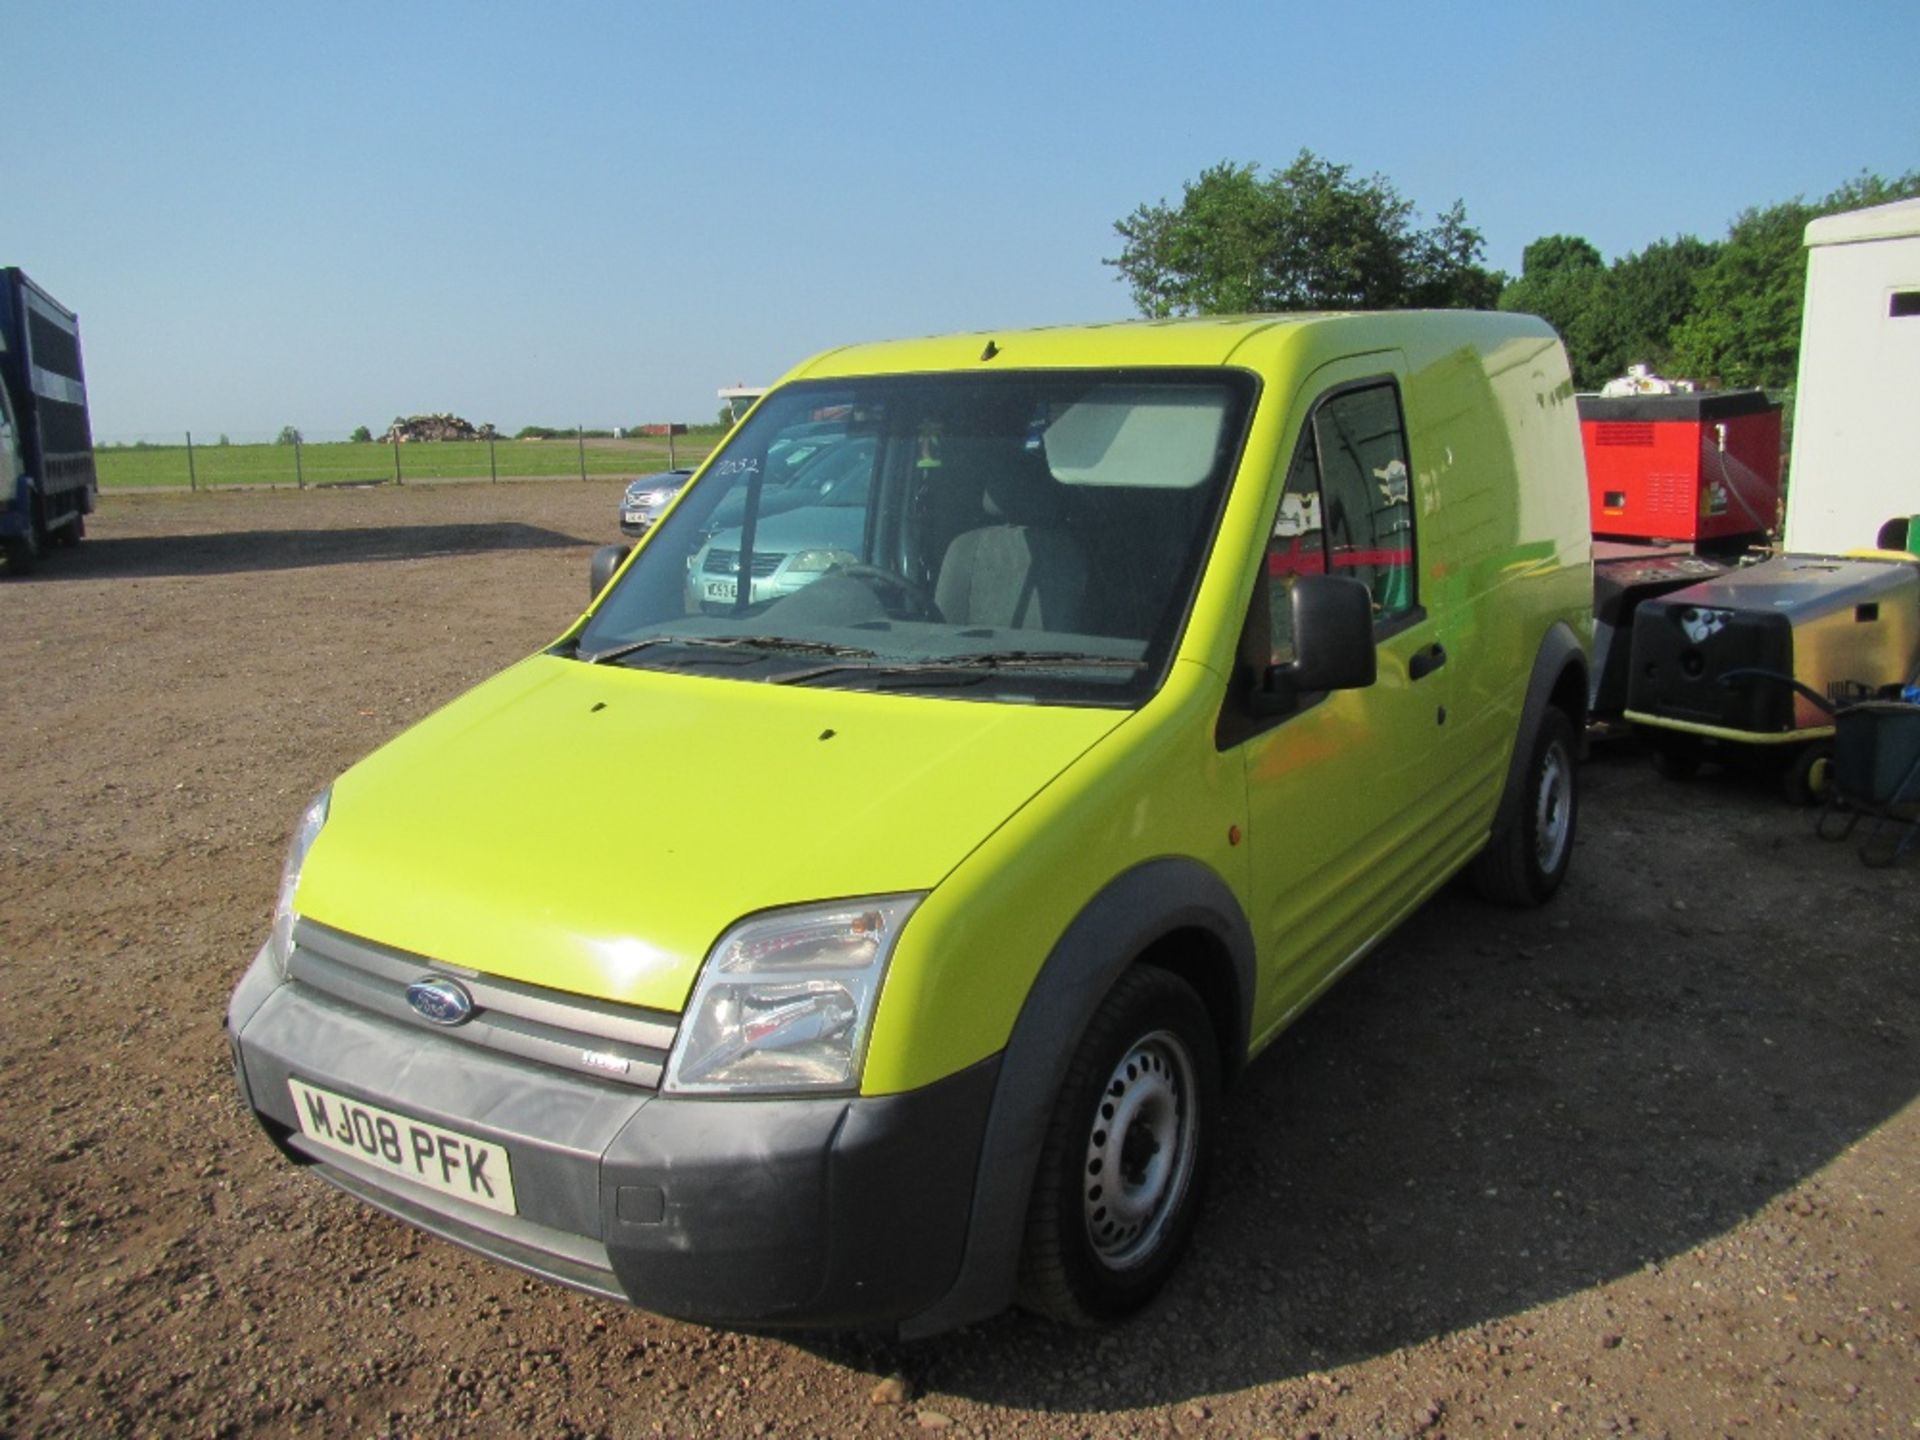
x=1018, y=489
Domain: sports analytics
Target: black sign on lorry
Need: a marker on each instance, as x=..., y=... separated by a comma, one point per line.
x=47, y=481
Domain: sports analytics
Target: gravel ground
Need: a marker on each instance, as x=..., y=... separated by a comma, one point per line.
x=1644, y=1162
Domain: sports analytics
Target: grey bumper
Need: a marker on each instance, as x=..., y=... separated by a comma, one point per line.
x=840, y=1212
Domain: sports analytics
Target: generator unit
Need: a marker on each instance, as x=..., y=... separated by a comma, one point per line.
x=1701, y=467
x=1624, y=578
x=1739, y=660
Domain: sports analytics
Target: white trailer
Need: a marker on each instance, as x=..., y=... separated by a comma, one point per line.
x=1855, y=478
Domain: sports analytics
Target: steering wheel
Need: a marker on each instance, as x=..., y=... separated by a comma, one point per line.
x=918, y=600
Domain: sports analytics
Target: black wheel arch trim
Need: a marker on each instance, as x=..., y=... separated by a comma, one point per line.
x=1136, y=910
x=1560, y=652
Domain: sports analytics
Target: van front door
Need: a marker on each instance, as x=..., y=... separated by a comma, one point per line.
x=1348, y=796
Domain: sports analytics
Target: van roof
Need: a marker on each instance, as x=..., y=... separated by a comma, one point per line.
x=1197, y=341
x=1876, y=222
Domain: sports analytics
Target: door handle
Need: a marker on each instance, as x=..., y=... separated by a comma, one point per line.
x=1425, y=662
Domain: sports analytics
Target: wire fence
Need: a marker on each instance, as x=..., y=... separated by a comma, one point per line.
x=293, y=458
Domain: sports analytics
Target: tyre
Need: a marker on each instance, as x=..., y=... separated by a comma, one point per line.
x=1808, y=778
x=1526, y=860
x=1125, y=1160
x=24, y=552
x=23, y=556
x=37, y=530
x=74, y=531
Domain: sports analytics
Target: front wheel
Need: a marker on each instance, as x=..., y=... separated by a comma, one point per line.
x=1125, y=1160
x=1526, y=860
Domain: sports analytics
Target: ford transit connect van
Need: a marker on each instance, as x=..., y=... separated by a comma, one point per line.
x=1162, y=670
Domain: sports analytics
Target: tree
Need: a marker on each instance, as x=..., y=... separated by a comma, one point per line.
x=1560, y=281
x=361, y=435
x=1646, y=298
x=287, y=436
x=1310, y=237
x=1609, y=316
x=1744, y=326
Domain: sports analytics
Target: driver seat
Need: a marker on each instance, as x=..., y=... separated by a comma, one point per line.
x=1022, y=571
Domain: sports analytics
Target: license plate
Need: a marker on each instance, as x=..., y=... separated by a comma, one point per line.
x=444, y=1160
x=723, y=589
x=636, y=517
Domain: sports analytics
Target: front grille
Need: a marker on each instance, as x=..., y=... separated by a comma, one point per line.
x=619, y=1043
x=727, y=562
x=543, y=1250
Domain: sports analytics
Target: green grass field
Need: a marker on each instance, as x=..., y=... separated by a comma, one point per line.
x=344, y=462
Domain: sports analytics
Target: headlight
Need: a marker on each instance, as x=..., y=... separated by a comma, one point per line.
x=813, y=561
x=280, y=943
x=785, y=1000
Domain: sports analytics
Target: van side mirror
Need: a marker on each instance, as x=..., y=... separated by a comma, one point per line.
x=1332, y=643
x=606, y=560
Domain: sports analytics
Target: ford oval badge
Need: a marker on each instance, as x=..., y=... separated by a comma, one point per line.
x=443, y=1001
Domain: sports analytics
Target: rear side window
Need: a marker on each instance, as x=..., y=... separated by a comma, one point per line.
x=1347, y=508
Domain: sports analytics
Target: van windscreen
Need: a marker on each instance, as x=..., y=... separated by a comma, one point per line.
x=1031, y=534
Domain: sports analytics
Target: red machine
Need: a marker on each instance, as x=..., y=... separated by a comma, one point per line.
x=1698, y=467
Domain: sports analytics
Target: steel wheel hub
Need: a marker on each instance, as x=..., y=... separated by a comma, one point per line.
x=1553, y=810
x=1141, y=1149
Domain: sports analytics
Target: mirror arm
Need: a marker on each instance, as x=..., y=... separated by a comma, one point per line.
x=1276, y=693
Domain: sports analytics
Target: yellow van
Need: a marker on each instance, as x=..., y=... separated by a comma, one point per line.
x=870, y=948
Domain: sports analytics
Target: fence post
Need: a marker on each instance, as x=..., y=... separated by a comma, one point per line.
x=493, y=470
x=580, y=439
x=299, y=478
x=396, y=460
x=672, y=463
x=193, y=481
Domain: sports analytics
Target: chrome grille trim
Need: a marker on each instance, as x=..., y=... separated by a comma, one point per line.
x=550, y=1027
x=727, y=562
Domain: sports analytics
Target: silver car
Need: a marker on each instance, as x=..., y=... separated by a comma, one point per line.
x=647, y=496
x=811, y=524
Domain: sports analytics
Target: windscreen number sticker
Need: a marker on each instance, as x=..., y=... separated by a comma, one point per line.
x=443, y=1160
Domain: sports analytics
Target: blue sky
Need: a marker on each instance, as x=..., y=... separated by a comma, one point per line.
x=325, y=215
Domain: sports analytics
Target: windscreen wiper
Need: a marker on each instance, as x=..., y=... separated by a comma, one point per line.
x=1035, y=659
x=973, y=667
x=772, y=644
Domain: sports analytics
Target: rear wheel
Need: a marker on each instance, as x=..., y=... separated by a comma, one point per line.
x=22, y=555
x=1526, y=860
x=1125, y=1160
x=24, y=551
x=1808, y=778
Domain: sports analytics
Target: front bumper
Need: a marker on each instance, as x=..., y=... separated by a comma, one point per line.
x=842, y=1212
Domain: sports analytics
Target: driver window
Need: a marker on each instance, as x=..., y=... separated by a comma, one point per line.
x=1346, y=509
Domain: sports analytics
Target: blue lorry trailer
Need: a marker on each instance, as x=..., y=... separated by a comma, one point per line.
x=47, y=481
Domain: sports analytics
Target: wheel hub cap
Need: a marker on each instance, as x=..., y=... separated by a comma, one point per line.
x=1553, y=809
x=1140, y=1150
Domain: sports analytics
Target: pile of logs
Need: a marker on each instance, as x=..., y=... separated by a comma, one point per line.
x=406, y=429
